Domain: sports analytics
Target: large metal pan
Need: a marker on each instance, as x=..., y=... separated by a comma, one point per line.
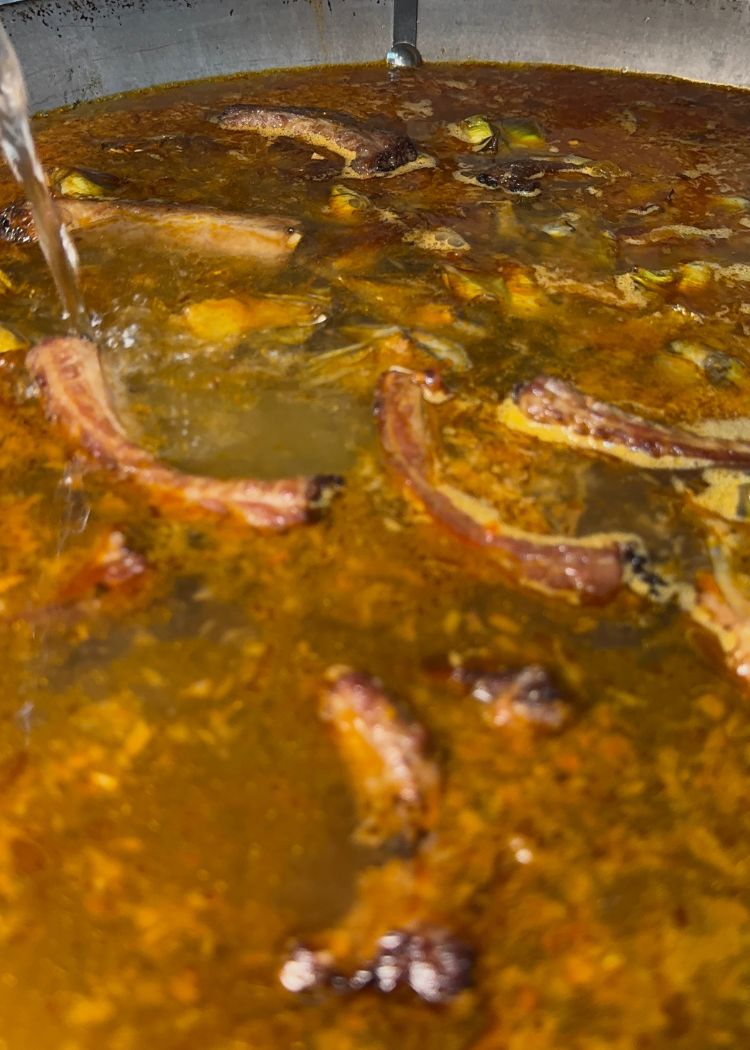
x=81, y=49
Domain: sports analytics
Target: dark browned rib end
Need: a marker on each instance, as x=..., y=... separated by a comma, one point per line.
x=16, y=224
x=321, y=491
x=234, y=116
x=397, y=151
x=428, y=961
x=553, y=402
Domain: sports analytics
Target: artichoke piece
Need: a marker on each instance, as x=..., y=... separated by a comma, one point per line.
x=518, y=293
x=718, y=367
x=83, y=182
x=519, y=133
x=559, y=229
x=506, y=220
x=10, y=341
x=221, y=320
x=695, y=276
x=524, y=297
x=442, y=239
x=444, y=350
x=476, y=130
x=473, y=287
x=596, y=169
x=394, y=301
x=726, y=495
x=348, y=205
x=654, y=278
x=730, y=203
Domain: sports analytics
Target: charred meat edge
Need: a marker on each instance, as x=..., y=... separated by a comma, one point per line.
x=368, y=152
x=110, y=566
x=429, y=960
x=720, y=609
x=589, y=569
x=69, y=373
x=396, y=784
x=267, y=238
x=525, y=695
x=555, y=411
x=520, y=177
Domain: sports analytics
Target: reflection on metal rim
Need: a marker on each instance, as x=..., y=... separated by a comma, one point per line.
x=73, y=51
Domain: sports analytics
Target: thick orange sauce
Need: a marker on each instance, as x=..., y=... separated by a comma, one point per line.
x=174, y=811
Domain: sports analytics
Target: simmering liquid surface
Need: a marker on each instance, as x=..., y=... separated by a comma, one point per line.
x=175, y=812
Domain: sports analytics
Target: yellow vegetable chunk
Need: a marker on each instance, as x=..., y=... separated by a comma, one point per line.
x=348, y=205
x=522, y=134
x=10, y=341
x=221, y=319
x=475, y=130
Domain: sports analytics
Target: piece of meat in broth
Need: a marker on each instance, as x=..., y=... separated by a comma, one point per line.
x=75, y=393
x=718, y=607
x=555, y=411
x=396, y=784
x=589, y=569
x=265, y=238
x=368, y=152
x=428, y=960
x=528, y=695
x=105, y=576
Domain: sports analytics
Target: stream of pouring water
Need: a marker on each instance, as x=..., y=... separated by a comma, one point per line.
x=20, y=152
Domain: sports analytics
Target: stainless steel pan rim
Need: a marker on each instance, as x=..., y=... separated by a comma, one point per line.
x=83, y=49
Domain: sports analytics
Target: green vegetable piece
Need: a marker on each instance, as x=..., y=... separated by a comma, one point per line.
x=654, y=278
x=730, y=203
x=472, y=286
x=476, y=130
x=348, y=205
x=83, y=182
x=444, y=350
x=695, y=276
x=718, y=367
x=522, y=134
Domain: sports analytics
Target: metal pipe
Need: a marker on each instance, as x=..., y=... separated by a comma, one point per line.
x=404, y=52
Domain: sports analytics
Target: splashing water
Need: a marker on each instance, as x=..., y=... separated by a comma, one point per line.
x=20, y=152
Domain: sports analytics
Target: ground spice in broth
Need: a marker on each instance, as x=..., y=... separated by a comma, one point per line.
x=384, y=779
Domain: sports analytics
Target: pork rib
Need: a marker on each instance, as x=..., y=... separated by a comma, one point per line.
x=266, y=238
x=555, y=411
x=395, y=782
x=591, y=568
x=368, y=152
x=69, y=373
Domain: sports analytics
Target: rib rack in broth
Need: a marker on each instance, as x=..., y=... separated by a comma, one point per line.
x=376, y=592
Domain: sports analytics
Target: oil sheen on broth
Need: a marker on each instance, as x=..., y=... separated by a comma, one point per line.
x=254, y=779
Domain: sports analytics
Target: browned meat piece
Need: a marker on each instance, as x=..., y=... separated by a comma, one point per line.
x=429, y=961
x=368, y=152
x=521, y=178
x=555, y=411
x=110, y=566
x=16, y=224
x=528, y=695
x=397, y=786
x=588, y=569
x=70, y=375
x=98, y=579
x=306, y=970
x=267, y=238
x=720, y=609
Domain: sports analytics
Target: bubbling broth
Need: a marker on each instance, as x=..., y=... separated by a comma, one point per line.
x=375, y=601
